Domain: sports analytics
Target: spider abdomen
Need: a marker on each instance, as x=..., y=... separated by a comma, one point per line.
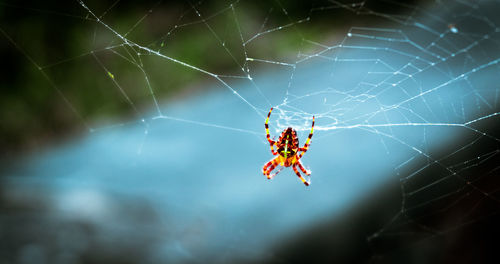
x=288, y=144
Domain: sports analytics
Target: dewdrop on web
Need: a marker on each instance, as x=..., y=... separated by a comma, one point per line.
x=453, y=28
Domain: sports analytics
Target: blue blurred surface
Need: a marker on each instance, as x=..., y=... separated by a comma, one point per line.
x=207, y=181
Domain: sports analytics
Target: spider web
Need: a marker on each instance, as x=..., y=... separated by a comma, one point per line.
x=416, y=77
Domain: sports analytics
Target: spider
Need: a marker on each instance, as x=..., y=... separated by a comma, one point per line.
x=288, y=151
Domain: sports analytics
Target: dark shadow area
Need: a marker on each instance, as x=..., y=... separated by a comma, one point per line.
x=341, y=239
x=453, y=219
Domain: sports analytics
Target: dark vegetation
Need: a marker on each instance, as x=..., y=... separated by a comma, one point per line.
x=72, y=92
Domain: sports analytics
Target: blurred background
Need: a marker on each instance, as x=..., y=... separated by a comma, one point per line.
x=133, y=132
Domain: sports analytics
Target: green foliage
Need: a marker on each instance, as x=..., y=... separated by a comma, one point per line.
x=88, y=74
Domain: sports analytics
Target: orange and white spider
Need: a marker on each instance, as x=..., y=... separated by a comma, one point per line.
x=288, y=151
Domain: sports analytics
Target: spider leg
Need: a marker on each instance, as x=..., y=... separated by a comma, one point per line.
x=308, y=142
x=266, y=170
x=274, y=174
x=300, y=176
x=301, y=167
x=271, y=142
x=272, y=149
